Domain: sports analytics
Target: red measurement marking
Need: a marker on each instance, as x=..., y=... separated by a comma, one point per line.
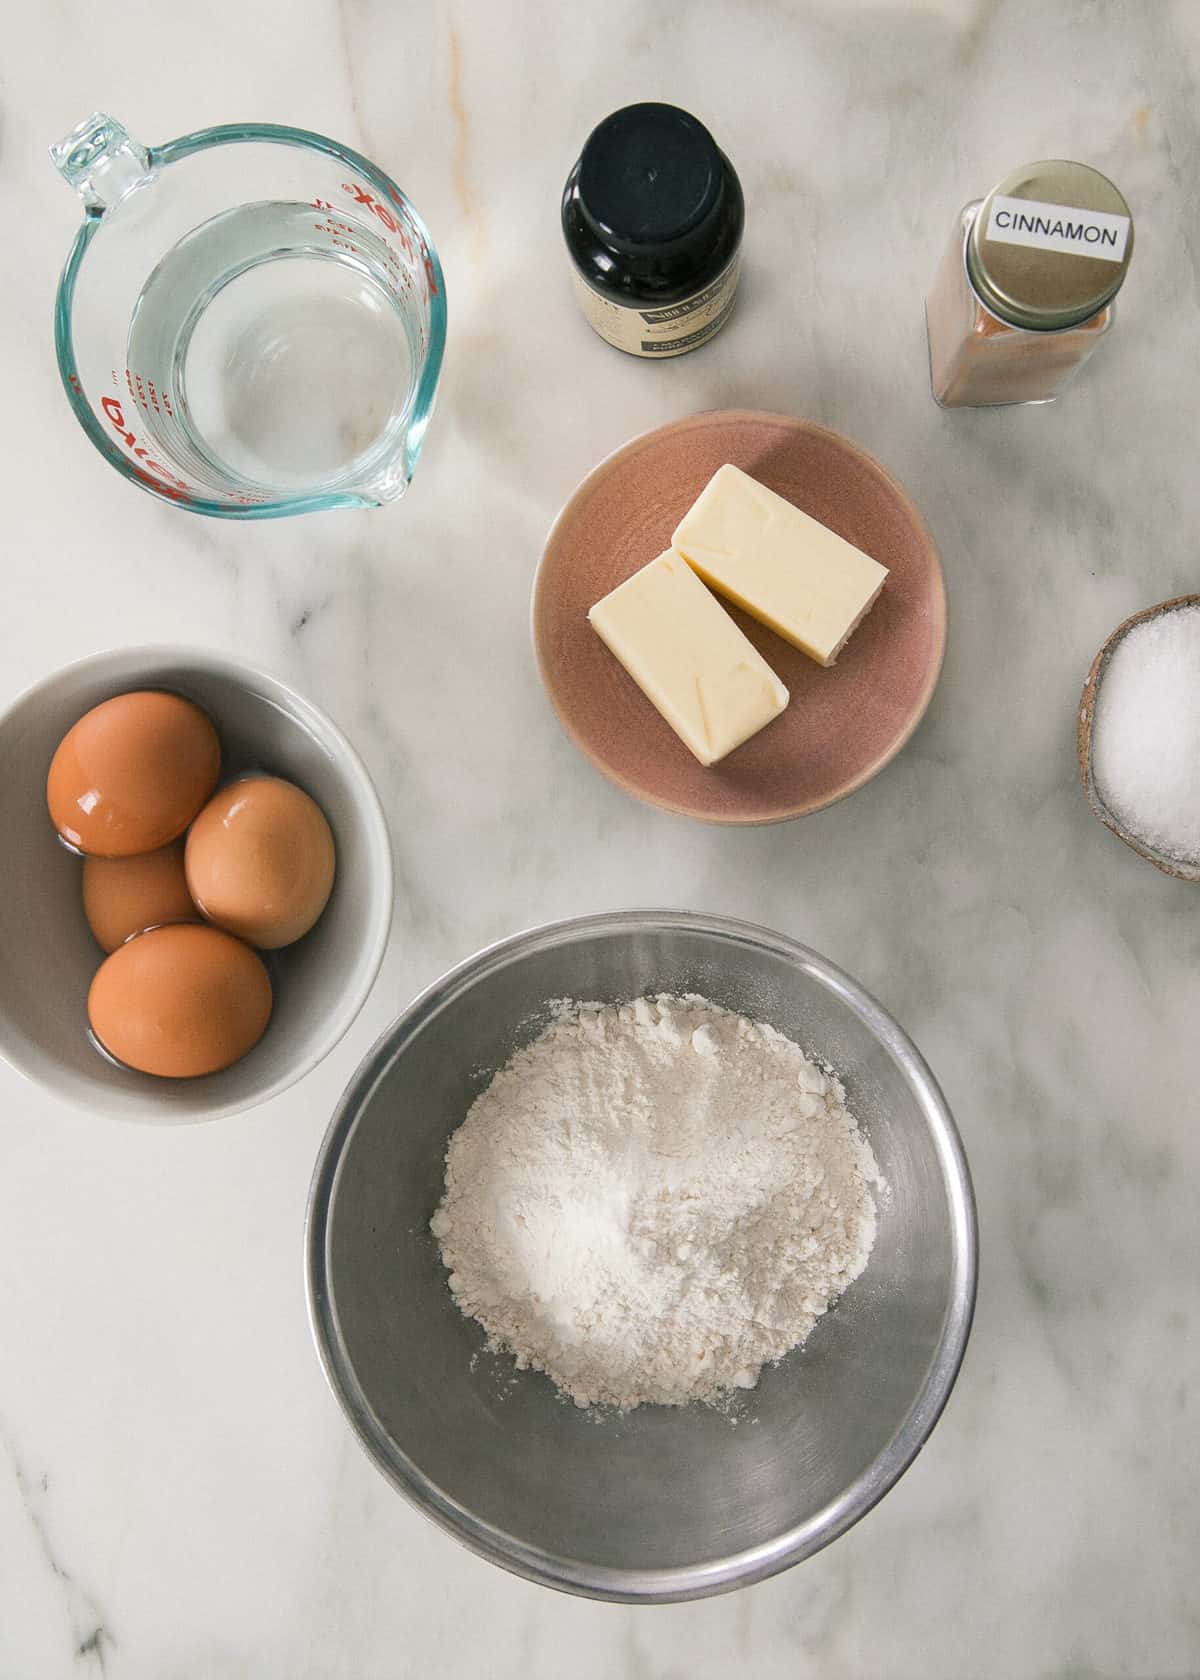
x=360, y=195
x=165, y=480
x=398, y=199
x=397, y=225
x=163, y=486
x=429, y=275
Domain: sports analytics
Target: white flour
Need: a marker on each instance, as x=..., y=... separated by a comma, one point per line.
x=649, y=1202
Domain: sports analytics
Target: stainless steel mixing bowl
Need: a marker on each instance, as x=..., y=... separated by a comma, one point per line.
x=662, y=1502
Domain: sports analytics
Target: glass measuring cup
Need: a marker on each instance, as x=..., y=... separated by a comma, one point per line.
x=251, y=319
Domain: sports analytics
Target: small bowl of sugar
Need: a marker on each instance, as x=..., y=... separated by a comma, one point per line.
x=1139, y=735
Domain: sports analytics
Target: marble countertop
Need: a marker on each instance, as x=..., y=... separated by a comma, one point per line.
x=179, y=1496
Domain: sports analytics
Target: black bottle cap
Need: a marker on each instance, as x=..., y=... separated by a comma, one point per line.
x=651, y=176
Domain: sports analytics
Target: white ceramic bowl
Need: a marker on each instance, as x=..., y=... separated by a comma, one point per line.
x=48, y=955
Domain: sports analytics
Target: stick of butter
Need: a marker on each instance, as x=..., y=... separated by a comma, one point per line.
x=689, y=658
x=784, y=568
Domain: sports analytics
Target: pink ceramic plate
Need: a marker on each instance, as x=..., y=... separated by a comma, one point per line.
x=843, y=724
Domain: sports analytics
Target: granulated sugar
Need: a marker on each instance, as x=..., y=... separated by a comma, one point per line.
x=1146, y=733
x=652, y=1200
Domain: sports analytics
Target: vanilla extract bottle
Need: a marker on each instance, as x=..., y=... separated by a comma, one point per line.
x=653, y=214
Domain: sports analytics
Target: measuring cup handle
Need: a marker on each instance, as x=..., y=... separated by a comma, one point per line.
x=102, y=161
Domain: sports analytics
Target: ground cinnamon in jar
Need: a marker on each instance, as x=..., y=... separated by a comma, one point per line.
x=1024, y=292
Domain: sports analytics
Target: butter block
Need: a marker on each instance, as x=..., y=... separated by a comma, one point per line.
x=784, y=568
x=689, y=658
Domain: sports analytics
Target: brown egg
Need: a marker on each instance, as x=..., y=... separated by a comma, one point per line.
x=124, y=896
x=260, y=861
x=180, y=1001
x=132, y=773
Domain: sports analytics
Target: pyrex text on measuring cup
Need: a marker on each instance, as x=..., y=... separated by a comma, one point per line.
x=251, y=320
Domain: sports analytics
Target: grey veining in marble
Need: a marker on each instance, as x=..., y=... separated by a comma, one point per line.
x=179, y=1498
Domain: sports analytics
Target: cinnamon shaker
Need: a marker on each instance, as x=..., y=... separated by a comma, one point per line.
x=1025, y=291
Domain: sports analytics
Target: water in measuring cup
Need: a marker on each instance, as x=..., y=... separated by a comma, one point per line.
x=286, y=356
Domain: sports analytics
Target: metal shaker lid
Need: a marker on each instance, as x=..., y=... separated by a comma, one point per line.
x=1050, y=245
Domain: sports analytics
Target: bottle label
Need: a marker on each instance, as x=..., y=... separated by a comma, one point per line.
x=669, y=331
x=1059, y=227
